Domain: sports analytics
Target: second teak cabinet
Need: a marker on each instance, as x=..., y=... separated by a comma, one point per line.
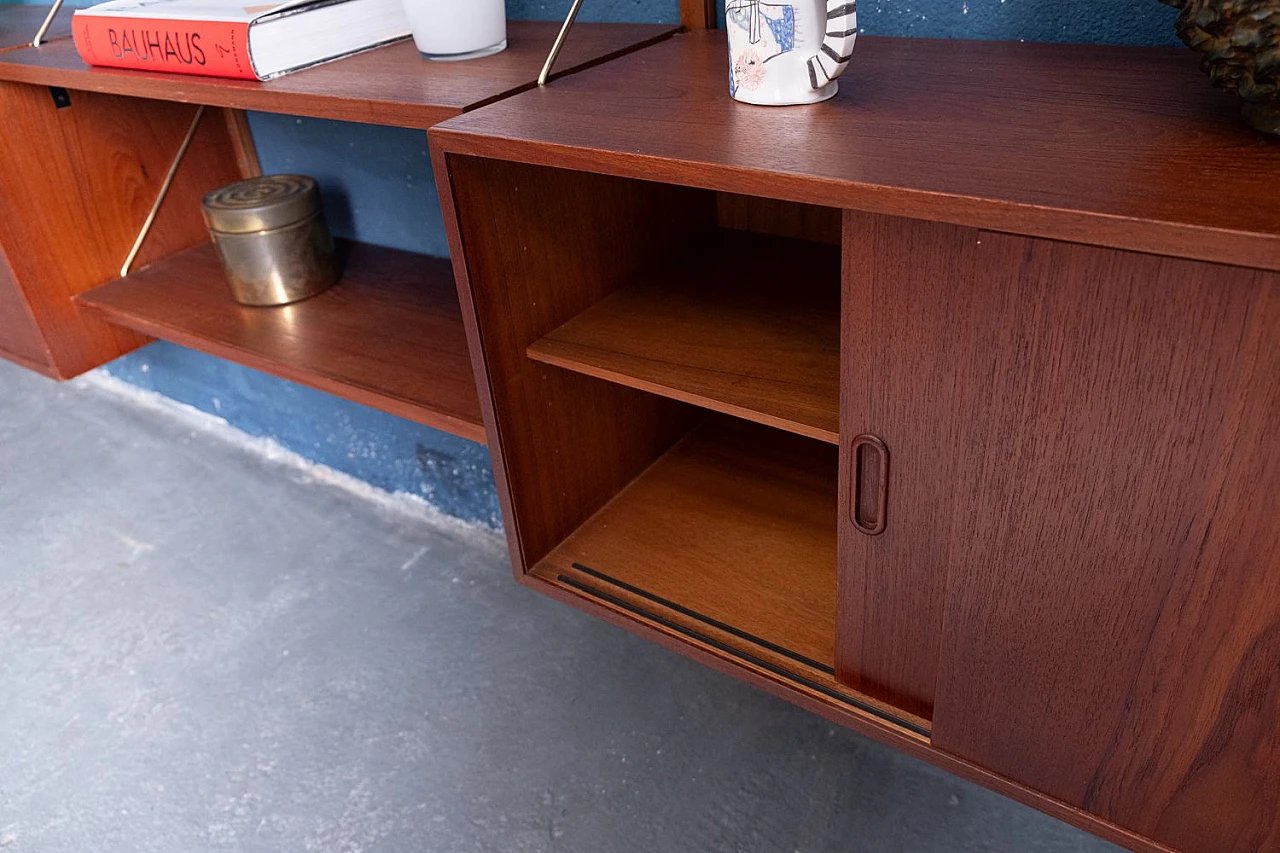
x=968, y=440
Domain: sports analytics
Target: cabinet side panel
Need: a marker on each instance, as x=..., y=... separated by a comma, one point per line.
x=1112, y=635
x=698, y=14
x=779, y=218
x=905, y=281
x=77, y=184
x=534, y=247
x=241, y=139
x=19, y=336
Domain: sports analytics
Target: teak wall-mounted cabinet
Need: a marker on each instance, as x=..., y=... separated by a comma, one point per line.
x=949, y=409
x=85, y=150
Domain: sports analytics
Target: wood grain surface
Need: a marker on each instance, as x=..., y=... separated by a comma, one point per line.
x=1118, y=146
x=761, y=215
x=698, y=14
x=19, y=24
x=391, y=85
x=1100, y=427
x=741, y=324
x=242, y=143
x=20, y=338
x=896, y=384
x=736, y=522
x=389, y=335
x=77, y=185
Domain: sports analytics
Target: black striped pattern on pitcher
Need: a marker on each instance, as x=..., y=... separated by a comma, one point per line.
x=837, y=44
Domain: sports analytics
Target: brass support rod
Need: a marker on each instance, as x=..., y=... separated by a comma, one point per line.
x=164, y=191
x=48, y=22
x=555, y=48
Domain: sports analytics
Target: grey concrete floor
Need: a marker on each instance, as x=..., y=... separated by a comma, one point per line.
x=205, y=649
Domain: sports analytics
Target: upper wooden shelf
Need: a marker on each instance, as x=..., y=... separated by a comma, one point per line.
x=389, y=335
x=1116, y=146
x=390, y=85
x=741, y=324
x=18, y=24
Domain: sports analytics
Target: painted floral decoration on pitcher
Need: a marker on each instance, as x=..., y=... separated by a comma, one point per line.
x=770, y=29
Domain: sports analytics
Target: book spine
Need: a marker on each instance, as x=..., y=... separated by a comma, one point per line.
x=209, y=48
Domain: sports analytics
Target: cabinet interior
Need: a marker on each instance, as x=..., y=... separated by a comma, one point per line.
x=740, y=323
x=730, y=537
x=664, y=368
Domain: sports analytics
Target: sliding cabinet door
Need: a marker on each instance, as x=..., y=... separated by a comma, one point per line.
x=1080, y=563
x=901, y=278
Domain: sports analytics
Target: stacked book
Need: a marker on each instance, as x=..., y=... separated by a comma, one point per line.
x=224, y=38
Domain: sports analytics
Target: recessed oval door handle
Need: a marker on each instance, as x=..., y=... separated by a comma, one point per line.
x=870, y=505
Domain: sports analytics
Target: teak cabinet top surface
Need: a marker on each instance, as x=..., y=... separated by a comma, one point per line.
x=1124, y=147
x=18, y=25
x=390, y=85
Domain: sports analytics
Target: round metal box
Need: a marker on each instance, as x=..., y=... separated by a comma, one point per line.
x=271, y=236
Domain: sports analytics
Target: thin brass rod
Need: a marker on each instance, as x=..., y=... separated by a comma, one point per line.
x=555, y=48
x=48, y=22
x=164, y=191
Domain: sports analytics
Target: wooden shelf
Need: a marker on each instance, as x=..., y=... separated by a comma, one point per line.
x=741, y=324
x=1117, y=146
x=390, y=85
x=389, y=335
x=738, y=523
x=18, y=25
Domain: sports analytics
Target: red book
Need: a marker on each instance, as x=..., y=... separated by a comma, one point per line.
x=223, y=38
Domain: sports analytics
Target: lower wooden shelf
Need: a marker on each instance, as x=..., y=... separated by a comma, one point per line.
x=737, y=523
x=389, y=335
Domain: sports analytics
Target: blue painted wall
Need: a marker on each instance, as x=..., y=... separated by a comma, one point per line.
x=391, y=453
x=378, y=188
x=1079, y=21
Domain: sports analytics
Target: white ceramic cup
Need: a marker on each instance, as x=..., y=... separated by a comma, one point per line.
x=788, y=51
x=458, y=29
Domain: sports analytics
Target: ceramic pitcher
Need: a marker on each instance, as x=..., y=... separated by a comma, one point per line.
x=784, y=53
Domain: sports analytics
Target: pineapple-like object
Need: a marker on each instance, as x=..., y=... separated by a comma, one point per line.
x=1239, y=46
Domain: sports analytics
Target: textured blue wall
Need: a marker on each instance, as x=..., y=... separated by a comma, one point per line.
x=1079, y=21
x=378, y=188
x=656, y=11
x=376, y=181
x=394, y=454
x=1075, y=21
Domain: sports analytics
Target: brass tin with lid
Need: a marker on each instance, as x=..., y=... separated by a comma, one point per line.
x=271, y=236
